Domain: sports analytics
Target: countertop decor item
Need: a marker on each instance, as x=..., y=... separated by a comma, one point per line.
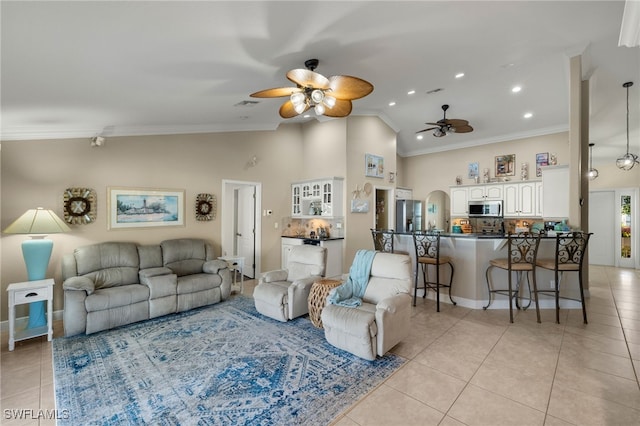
x=37, y=223
x=80, y=206
x=628, y=160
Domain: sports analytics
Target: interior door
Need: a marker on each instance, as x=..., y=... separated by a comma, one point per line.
x=602, y=224
x=245, y=227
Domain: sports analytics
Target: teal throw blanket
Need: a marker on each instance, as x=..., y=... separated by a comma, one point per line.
x=350, y=292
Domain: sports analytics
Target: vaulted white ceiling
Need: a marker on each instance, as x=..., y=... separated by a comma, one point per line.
x=81, y=69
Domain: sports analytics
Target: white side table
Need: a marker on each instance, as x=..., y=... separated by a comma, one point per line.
x=27, y=292
x=235, y=264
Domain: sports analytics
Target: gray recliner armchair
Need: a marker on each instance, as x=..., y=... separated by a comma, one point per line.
x=383, y=318
x=282, y=294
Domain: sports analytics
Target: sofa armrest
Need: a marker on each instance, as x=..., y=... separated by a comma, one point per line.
x=145, y=274
x=304, y=283
x=298, y=296
x=214, y=266
x=79, y=283
x=272, y=276
x=393, y=316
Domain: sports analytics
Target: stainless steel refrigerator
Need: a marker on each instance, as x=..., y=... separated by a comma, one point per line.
x=408, y=215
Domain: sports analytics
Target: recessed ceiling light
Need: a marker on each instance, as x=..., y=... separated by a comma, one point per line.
x=460, y=75
x=411, y=92
x=419, y=137
x=306, y=116
x=528, y=115
x=516, y=89
x=392, y=103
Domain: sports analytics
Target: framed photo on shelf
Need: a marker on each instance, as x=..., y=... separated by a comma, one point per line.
x=542, y=159
x=145, y=208
x=473, y=170
x=374, y=166
x=506, y=165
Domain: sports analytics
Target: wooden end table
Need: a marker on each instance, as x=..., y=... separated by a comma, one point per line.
x=318, y=299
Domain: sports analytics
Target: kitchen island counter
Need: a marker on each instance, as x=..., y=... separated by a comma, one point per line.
x=470, y=255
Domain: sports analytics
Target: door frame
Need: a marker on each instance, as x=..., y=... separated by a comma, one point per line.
x=391, y=205
x=228, y=220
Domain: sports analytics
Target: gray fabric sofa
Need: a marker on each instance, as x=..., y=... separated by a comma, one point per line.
x=110, y=284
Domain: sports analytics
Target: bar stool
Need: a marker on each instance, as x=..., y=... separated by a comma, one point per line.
x=522, y=250
x=570, y=249
x=383, y=240
x=428, y=253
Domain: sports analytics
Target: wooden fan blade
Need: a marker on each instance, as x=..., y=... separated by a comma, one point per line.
x=288, y=111
x=278, y=92
x=348, y=87
x=342, y=108
x=307, y=78
x=435, y=124
x=463, y=129
x=426, y=130
x=455, y=122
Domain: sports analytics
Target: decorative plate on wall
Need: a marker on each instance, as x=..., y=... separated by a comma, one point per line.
x=205, y=207
x=80, y=206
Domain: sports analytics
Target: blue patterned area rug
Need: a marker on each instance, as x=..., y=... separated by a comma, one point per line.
x=221, y=365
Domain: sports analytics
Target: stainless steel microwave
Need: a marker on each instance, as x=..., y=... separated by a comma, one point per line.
x=486, y=208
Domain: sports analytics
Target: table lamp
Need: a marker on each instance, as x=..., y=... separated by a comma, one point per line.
x=38, y=223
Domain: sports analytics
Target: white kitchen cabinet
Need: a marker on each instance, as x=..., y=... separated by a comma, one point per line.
x=520, y=199
x=485, y=192
x=539, y=199
x=459, y=201
x=287, y=245
x=555, y=200
x=404, y=194
x=296, y=200
x=326, y=194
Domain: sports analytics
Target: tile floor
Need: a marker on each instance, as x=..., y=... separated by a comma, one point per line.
x=465, y=367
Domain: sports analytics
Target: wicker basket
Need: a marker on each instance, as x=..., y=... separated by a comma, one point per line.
x=318, y=299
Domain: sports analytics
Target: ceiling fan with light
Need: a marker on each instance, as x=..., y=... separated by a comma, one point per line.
x=448, y=125
x=327, y=96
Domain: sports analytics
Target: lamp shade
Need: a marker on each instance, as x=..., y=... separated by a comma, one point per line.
x=37, y=221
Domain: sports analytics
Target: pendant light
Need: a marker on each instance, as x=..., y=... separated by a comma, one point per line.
x=593, y=173
x=628, y=160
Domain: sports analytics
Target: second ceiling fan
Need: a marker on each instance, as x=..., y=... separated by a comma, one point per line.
x=448, y=125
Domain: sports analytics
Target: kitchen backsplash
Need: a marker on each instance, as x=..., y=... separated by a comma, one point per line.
x=293, y=227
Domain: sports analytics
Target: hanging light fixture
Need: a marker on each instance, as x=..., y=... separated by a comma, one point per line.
x=593, y=173
x=628, y=160
x=318, y=99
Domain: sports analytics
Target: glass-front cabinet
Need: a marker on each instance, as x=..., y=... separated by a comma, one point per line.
x=317, y=197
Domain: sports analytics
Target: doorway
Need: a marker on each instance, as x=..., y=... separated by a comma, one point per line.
x=241, y=230
x=384, y=217
x=613, y=218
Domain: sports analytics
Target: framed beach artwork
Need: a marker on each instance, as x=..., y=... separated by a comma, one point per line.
x=374, y=166
x=542, y=159
x=506, y=165
x=145, y=208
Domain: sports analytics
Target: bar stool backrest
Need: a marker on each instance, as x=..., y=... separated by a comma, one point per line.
x=570, y=248
x=382, y=240
x=427, y=244
x=522, y=248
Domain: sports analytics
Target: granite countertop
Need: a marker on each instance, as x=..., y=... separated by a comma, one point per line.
x=308, y=238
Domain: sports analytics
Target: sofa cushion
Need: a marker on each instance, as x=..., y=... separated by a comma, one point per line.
x=150, y=256
x=114, y=297
x=108, y=264
x=184, y=256
x=198, y=282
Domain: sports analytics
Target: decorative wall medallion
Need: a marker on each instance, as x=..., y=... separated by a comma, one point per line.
x=80, y=206
x=205, y=207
